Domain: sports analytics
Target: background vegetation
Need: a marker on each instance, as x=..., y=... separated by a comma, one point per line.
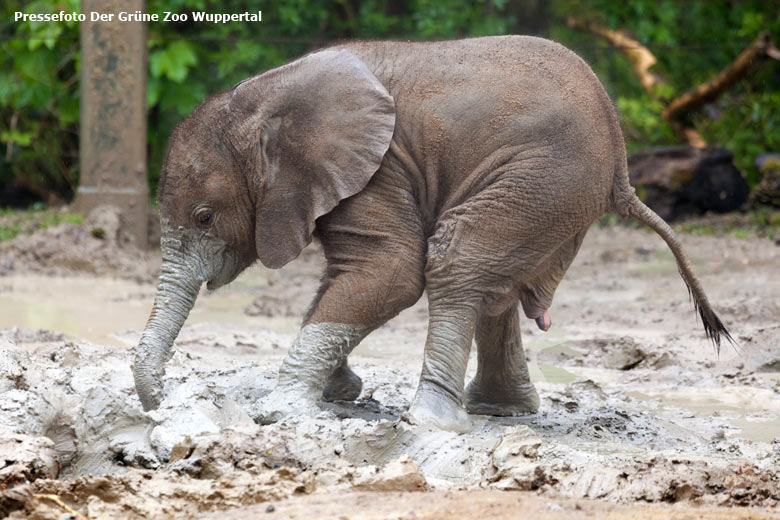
x=693, y=40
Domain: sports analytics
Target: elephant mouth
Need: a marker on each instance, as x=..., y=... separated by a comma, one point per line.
x=229, y=272
x=216, y=283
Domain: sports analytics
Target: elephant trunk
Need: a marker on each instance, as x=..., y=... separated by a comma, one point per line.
x=180, y=280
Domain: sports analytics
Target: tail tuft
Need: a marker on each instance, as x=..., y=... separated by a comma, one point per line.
x=713, y=327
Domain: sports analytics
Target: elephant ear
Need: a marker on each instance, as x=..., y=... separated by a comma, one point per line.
x=325, y=123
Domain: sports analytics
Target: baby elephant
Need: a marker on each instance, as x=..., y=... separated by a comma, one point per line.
x=471, y=169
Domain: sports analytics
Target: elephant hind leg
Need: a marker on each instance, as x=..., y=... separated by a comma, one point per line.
x=502, y=385
x=438, y=401
x=481, y=251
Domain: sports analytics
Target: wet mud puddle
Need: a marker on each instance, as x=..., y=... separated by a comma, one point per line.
x=100, y=310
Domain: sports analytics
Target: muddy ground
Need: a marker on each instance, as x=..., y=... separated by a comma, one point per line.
x=640, y=417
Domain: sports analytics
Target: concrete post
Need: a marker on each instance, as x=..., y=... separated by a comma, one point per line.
x=113, y=115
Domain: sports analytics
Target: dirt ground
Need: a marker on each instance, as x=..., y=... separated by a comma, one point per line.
x=640, y=417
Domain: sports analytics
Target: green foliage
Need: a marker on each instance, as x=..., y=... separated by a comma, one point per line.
x=693, y=41
x=643, y=125
x=39, y=105
x=613, y=219
x=39, y=65
x=747, y=123
x=16, y=222
x=452, y=18
x=763, y=221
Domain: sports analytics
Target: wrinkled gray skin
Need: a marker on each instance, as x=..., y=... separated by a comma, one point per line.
x=471, y=169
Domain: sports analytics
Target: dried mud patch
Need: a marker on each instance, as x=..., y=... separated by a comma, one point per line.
x=99, y=246
x=69, y=409
x=148, y=494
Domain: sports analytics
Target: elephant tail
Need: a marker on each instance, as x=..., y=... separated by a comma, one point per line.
x=713, y=327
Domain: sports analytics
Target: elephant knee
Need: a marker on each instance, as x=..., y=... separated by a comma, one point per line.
x=369, y=296
x=394, y=297
x=407, y=293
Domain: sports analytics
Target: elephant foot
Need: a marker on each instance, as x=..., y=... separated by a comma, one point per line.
x=519, y=400
x=343, y=385
x=433, y=408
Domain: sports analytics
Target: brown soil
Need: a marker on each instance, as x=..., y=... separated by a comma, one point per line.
x=100, y=246
x=467, y=505
x=640, y=417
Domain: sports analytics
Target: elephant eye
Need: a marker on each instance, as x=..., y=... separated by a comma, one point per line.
x=205, y=218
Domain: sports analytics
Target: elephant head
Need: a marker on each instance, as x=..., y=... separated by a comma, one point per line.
x=246, y=176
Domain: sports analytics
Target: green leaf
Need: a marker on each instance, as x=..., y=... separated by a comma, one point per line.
x=69, y=110
x=153, y=89
x=173, y=61
x=15, y=136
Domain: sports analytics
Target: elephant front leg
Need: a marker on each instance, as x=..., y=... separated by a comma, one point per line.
x=502, y=385
x=319, y=351
x=374, y=246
